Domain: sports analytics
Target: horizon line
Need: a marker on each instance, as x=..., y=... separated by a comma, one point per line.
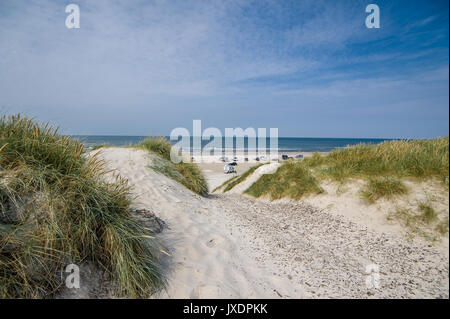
x=305, y=137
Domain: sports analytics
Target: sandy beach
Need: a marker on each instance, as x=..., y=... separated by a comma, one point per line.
x=229, y=245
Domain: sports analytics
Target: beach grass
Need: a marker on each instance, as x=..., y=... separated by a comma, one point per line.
x=240, y=178
x=225, y=183
x=383, y=165
x=100, y=146
x=406, y=158
x=387, y=187
x=291, y=180
x=428, y=213
x=157, y=145
x=185, y=173
x=442, y=227
x=57, y=209
x=422, y=219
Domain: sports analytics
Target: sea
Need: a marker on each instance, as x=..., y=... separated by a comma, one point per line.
x=285, y=144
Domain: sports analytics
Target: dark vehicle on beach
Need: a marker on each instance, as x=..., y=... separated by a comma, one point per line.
x=284, y=157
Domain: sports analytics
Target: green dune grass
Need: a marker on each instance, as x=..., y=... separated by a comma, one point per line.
x=291, y=180
x=382, y=165
x=412, y=158
x=187, y=174
x=387, y=187
x=57, y=209
x=240, y=178
x=225, y=183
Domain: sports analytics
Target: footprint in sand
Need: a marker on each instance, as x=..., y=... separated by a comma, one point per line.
x=214, y=242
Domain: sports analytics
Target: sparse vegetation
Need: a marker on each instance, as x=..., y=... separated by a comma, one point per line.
x=240, y=178
x=442, y=227
x=187, y=174
x=428, y=213
x=387, y=187
x=99, y=146
x=409, y=219
x=422, y=220
x=225, y=183
x=57, y=209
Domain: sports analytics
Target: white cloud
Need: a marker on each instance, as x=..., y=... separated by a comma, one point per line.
x=177, y=57
x=160, y=47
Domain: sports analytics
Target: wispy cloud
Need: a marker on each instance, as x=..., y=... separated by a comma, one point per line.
x=180, y=58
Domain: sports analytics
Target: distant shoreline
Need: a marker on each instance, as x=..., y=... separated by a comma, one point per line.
x=285, y=144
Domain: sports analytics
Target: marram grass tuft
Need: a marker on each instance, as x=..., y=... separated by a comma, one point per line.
x=57, y=209
x=383, y=165
x=290, y=180
x=387, y=187
x=407, y=158
x=187, y=174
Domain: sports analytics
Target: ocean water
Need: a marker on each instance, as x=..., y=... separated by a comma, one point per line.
x=285, y=144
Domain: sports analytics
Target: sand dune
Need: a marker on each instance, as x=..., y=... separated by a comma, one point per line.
x=209, y=259
x=232, y=246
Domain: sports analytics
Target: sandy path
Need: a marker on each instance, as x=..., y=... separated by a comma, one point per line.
x=231, y=246
x=209, y=259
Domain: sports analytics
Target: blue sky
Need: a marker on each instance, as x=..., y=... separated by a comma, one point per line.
x=310, y=68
